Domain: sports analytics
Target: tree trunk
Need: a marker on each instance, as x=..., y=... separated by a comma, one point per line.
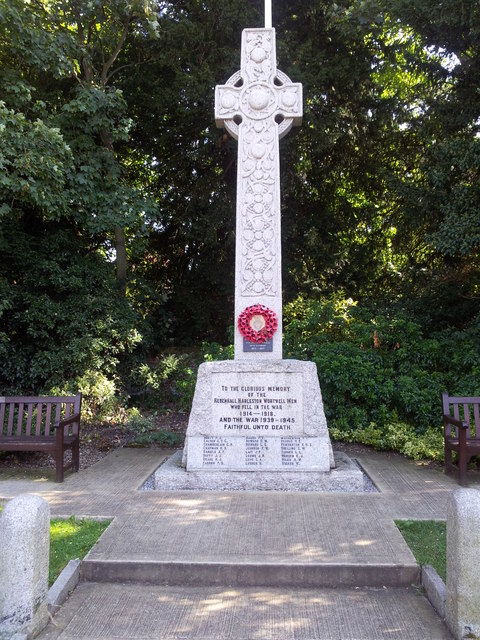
x=121, y=261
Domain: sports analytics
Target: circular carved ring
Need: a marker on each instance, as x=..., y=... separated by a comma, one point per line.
x=232, y=127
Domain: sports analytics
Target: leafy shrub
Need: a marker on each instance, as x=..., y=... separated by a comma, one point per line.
x=381, y=377
x=395, y=436
x=213, y=351
x=99, y=394
x=64, y=316
x=164, y=382
x=147, y=432
x=169, y=380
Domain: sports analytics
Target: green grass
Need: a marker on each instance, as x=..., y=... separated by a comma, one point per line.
x=70, y=539
x=428, y=541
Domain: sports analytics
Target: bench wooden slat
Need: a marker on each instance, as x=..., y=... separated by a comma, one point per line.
x=38, y=426
x=36, y=399
x=20, y=418
x=68, y=408
x=28, y=426
x=10, y=418
x=32, y=444
x=476, y=420
x=466, y=416
x=456, y=411
x=48, y=418
x=58, y=414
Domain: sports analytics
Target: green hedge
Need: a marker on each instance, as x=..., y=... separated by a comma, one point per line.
x=381, y=377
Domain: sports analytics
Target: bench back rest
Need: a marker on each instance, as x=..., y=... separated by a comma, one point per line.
x=36, y=415
x=466, y=409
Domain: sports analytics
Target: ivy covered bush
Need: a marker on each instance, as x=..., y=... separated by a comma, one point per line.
x=381, y=376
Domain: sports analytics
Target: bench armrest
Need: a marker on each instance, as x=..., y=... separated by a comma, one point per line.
x=454, y=422
x=66, y=421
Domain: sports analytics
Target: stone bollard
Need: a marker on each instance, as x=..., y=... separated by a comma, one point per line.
x=463, y=564
x=24, y=559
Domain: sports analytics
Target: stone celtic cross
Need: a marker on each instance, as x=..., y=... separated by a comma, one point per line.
x=258, y=105
x=258, y=413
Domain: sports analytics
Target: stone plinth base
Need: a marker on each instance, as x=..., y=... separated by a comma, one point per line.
x=462, y=609
x=24, y=554
x=346, y=476
x=258, y=417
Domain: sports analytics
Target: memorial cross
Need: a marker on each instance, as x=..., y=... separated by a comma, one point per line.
x=258, y=105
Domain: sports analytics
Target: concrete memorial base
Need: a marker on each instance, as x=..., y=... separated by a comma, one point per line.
x=259, y=425
x=346, y=476
x=263, y=415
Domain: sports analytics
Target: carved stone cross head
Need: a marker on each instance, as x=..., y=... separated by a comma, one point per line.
x=259, y=90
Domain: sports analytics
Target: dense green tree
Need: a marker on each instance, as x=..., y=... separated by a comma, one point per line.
x=109, y=157
x=384, y=203
x=189, y=165
x=440, y=200
x=64, y=191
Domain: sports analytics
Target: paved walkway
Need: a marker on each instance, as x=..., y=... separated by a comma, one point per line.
x=266, y=565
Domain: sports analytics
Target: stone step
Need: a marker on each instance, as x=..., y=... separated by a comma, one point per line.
x=136, y=612
x=247, y=574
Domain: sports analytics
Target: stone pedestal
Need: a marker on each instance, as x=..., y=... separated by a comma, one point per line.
x=263, y=416
x=24, y=558
x=462, y=611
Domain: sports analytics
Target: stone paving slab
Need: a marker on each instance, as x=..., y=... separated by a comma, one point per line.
x=138, y=612
x=246, y=534
x=288, y=536
x=315, y=538
x=104, y=489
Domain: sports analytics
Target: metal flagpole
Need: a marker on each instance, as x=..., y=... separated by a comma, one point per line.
x=268, y=14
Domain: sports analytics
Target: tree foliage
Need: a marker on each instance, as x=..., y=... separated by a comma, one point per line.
x=381, y=374
x=117, y=197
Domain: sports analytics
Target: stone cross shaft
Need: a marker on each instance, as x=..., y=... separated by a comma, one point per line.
x=258, y=105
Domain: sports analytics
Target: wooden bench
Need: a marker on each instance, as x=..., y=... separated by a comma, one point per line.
x=50, y=425
x=461, y=420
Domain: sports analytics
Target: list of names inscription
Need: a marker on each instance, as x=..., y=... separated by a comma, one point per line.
x=256, y=450
x=257, y=424
x=256, y=453
x=214, y=450
x=293, y=450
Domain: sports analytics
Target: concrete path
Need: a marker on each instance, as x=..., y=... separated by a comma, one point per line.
x=99, y=611
x=246, y=565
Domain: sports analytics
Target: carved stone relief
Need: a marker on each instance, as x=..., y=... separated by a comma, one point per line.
x=258, y=105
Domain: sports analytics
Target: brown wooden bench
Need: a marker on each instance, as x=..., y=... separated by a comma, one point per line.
x=51, y=425
x=461, y=420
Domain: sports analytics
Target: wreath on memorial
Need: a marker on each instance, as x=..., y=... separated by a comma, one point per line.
x=257, y=316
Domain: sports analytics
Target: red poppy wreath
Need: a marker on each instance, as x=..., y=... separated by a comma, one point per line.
x=257, y=323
